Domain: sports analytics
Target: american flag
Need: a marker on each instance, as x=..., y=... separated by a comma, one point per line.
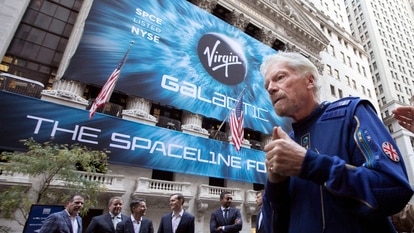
x=106, y=91
x=236, y=124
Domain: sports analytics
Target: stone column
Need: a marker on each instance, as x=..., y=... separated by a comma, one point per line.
x=207, y=5
x=266, y=36
x=138, y=109
x=67, y=92
x=238, y=20
x=192, y=124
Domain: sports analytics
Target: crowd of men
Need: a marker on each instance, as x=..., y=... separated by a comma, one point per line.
x=224, y=219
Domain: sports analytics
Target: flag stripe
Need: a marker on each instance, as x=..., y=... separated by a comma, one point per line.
x=105, y=94
x=106, y=91
x=236, y=124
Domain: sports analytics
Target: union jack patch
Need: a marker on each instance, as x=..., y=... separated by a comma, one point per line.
x=390, y=151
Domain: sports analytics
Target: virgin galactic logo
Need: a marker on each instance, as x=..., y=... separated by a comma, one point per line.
x=223, y=58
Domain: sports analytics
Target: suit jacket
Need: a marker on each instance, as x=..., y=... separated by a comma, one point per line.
x=261, y=228
x=59, y=222
x=186, y=224
x=103, y=224
x=128, y=227
x=217, y=219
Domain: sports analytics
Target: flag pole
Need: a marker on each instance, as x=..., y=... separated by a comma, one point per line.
x=228, y=114
x=121, y=65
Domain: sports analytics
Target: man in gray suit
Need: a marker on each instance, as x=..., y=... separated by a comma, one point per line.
x=67, y=220
x=137, y=222
x=177, y=221
x=106, y=223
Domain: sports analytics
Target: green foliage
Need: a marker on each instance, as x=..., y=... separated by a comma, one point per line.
x=12, y=199
x=58, y=171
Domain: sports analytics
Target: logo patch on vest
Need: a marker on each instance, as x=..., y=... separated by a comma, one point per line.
x=305, y=141
x=390, y=151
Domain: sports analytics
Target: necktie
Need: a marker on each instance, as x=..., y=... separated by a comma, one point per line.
x=226, y=215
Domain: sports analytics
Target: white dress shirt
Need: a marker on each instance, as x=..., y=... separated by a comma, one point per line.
x=176, y=218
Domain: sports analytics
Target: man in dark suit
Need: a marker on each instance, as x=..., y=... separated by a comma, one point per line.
x=137, y=222
x=179, y=221
x=259, y=219
x=226, y=218
x=106, y=223
x=67, y=220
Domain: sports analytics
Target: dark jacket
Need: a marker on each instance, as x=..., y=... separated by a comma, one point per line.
x=261, y=228
x=59, y=222
x=128, y=227
x=103, y=224
x=352, y=178
x=186, y=224
x=230, y=226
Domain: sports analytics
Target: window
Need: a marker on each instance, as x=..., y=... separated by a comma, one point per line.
x=329, y=70
x=377, y=77
x=380, y=89
x=41, y=38
x=349, y=61
x=216, y=182
x=358, y=67
x=336, y=74
x=333, y=91
x=340, y=94
x=332, y=50
x=162, y=175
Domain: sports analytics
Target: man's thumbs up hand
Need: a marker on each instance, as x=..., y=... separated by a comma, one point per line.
x=284, y=156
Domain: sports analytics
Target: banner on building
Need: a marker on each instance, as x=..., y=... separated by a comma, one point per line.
x=130, y=143
x=182, y=56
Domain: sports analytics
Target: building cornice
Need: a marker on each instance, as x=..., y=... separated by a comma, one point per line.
x=283, y=20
